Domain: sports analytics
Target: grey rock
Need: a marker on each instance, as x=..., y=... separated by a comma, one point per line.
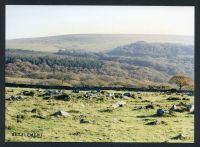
x=60, y=113
x=110, y=95
x=128, y=94
x=119, y=104
x=173, y=108
x=54, y=92
x=82, y=121
x=190, y=107
x=161, y=112
x=180, y=136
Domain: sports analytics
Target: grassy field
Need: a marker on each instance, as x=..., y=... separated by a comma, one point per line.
x=106, y=124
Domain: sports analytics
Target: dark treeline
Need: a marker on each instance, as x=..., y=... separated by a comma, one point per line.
x=55, y=60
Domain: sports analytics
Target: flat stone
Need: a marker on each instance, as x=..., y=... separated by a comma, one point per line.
x=119, y=104
x=60, y=113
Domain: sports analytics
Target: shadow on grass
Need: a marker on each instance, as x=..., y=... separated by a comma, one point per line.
x=154, y=116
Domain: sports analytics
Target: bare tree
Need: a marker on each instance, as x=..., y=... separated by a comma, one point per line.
x=181, y=81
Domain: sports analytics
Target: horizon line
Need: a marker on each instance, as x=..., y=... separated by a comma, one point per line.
x=98, y=34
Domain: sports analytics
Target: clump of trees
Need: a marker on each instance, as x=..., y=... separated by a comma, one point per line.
x=91, y=69
x=181, y=80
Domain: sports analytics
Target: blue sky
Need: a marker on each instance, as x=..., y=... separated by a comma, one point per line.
x=38, y=21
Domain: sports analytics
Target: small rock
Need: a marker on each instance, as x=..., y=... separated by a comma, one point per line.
x=128, y=94
x=60, y=113
x=173, y=108
x=119, y=104
x=54, y=92
x=110, y=95
x=156, y=122
x=34, y=110
x=138, y=108
x=126, y=97
x=75, y=91
x=180, y=136
x=118, y=95
x=161, y=112
x=82, y=120
x=190, y=93
x=28, y=93
x=150, y=106
x=16, y=97
x=63, y=96
x=190, y=107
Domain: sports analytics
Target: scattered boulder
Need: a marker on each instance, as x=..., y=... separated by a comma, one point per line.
x=76, y=91
x=60, y=113
x=93, y=92
x=189, y=107
x=173, y=108
x=161, y=112
x=39, y=90
x=126, y=97
x=185, y=107
x=150, y=106
x=119, y=104
x=34, y=110
x=110, y=95
x=128, y=94
x=54, y=92
x=28, y=93
x=156, y=122
x=138, y=108
x=118, y=95
x=83, y=121
x=190, y=93
x=104, y=92
x=179, y=108
x=180, y=136
x=63, y=96
x=16, y=97
x=168, y=92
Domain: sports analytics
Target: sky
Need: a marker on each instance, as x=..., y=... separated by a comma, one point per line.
x=26, y=21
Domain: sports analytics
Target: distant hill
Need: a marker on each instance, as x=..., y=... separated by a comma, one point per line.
x=142, y=48
x=167, y=58
x=91, y=42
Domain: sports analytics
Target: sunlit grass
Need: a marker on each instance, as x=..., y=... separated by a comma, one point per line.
x=106, y=124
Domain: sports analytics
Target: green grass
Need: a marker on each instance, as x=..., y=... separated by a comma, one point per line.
x=107, y=124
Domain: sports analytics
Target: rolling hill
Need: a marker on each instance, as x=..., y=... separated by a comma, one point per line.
x=132, y=65
x=91, y=42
